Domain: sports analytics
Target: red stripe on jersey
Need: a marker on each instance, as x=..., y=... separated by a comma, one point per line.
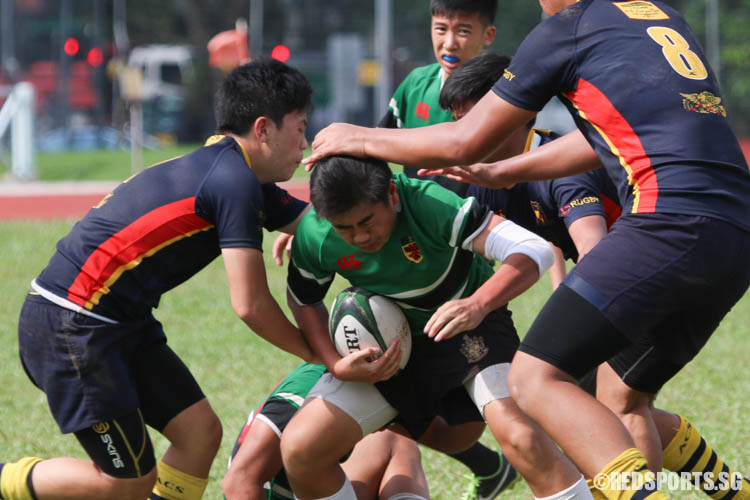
x=595, y=108
x=612, y=209
x=127, y=248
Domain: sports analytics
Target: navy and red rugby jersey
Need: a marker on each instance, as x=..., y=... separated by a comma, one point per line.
x=162, y=226
x=549, y=207
x=635, y=79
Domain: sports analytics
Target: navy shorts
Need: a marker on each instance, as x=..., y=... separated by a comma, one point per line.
x=432, y=383
x=93, y=372
x=661, y=282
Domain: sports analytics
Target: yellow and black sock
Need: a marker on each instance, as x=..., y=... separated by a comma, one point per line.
x=172, y=484
x=689, y=453
x=620, y=479
x=598, y=495
x=15, y=479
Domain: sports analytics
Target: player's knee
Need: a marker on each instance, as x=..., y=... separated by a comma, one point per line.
x=519, y=438
x=233, y=481
x=522, y=385
x=623, y=401
x=404, y=446
x=298, y=451
x=213, y=434
x=207, y=433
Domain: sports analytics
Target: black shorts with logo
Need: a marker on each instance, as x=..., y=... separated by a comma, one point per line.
x=663, y=283
x=95, y=372
x=432, y=383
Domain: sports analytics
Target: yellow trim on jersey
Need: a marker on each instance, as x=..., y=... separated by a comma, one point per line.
x=616, y=152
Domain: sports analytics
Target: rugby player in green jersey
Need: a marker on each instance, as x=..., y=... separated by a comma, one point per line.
x=383, y=465
x=426, y=248
x=459, y=30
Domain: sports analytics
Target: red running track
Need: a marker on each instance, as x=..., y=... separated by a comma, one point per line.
x=73, y=199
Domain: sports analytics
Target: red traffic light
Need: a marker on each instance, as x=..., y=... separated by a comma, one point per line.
x=281, y=53
x=95, y=57
x=71, y=46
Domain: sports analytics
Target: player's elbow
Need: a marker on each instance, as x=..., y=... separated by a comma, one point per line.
x=249, y=312
x=540, y=252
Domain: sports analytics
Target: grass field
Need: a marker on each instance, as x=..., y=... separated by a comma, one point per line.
x=236, y=368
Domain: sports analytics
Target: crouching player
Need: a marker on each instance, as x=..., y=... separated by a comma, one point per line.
x=425, y=247
x=383, y=465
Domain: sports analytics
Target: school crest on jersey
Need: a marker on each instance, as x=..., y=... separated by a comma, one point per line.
x=541, y=219
x=411, y=250
x=639, y=9
x=704, y=103
x=473, y=348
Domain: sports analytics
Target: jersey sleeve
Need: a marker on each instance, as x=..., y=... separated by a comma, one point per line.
x=453, y=219
x=281, y=208
x=577, y=196
x=232, y=198
x=307, y=280
x=544, y=64
x=494, y=199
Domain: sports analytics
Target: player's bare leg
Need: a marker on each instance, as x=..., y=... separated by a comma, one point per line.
x=384, y=464
x=635, y=411
x=586, y=430
x=311, y=445
x=531, y=451
x=258, y=460
x=573, y=418
x=194, y=436
x=451, y=439
x=66, y=478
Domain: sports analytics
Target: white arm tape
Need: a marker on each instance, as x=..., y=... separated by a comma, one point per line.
x=508, y=238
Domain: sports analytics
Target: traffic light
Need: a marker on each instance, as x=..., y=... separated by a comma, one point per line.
x=281, y=53
x=95, y=57
x=71, y=46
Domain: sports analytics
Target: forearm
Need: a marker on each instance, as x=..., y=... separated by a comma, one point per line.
x=440, y=146
x=514, y=276
x=558, y=270
x=568, y=155
x=270, y=323
x=313, y=321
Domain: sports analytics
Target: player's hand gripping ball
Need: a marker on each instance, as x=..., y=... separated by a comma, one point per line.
x=360, y=319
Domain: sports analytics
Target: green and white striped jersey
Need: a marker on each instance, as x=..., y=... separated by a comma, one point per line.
x=421, y=266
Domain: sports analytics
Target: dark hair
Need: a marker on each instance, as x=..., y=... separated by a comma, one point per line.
x=485, y=8
x=263, y=87
x=340, y=183
x=473, y=79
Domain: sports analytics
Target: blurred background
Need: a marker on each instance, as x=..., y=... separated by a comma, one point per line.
x=101, y=72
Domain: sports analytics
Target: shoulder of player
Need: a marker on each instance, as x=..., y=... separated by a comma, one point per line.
x=420, y=77
x=313, y=233
x=425, y=200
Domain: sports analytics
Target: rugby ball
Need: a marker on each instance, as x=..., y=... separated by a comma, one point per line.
x=360, y=319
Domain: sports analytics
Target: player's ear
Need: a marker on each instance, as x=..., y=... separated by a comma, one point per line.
x=260, y=128
x=393, y=194
x=489, y=34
